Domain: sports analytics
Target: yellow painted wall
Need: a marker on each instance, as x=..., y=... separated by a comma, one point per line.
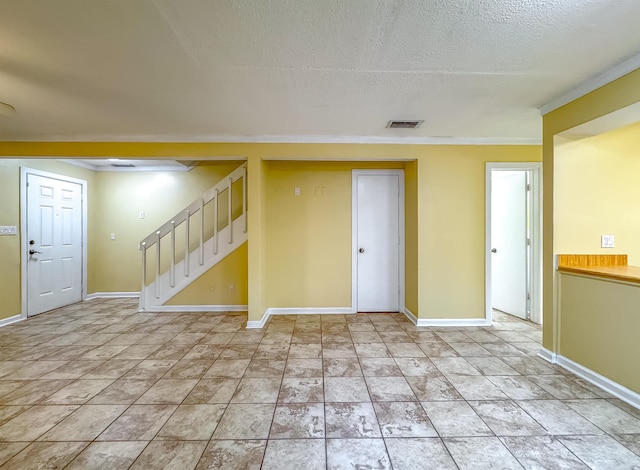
x=600, y=323
x=120, y=197
x=611, y=97
x=309, y=236
x=411, y=236
x=597, y=192
x=450, y=206
x=224, y=284
x=10, y=250
x=451, y=225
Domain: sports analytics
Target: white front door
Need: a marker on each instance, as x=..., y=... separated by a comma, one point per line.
x=54, y=243
x=509, y=249
x=377, y=242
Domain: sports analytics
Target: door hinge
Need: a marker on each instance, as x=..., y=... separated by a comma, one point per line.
x=528, y=296
x=528, y=187
x=528, y=241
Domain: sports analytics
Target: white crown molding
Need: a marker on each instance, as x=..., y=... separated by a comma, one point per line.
x=592, y=84
x=10, y=320
x=196, y=308
x=112, y=295
x=284, y=139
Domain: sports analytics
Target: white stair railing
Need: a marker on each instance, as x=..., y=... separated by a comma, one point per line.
x=208, y=252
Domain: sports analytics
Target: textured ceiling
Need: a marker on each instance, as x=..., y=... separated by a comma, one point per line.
x=200, y=69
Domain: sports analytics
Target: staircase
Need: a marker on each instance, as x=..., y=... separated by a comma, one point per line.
x=205, y=234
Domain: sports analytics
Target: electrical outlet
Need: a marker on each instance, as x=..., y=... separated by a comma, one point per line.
x=607, y=241
x=141, y=215
x=232, y=287
x=296, y=190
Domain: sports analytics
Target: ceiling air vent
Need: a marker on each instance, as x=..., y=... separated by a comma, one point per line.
x=123, y=165
x=404, y=124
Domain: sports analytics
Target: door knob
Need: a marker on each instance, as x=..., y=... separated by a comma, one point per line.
x=493, y=250
x=33, y=252
x=361, y=250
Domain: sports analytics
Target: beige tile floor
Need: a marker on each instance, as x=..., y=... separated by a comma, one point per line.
x=97, y=385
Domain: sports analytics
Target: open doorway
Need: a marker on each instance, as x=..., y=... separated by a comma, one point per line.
x=513, y=240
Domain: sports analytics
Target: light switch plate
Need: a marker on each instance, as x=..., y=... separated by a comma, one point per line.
x=607, y=241
x=8, y=230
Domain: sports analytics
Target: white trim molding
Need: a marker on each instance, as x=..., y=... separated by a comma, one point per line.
x=112, y=295
x=283, y=139
x=534, y=170
x=620, y=391
x=455, y=322
x=299, y=311
x=547, y=355
x=196, y=308
x=10, y=320
x=409, y=314
x=259, y=323
x=592, y=84
x=24, y=172
x=399, y=173
x=311, y=311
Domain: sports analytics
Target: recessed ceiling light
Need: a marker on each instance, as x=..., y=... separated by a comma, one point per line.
x=404, y=124
x=7, y=109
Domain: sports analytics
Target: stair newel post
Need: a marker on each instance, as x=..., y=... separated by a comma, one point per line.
x=172, y=268
x=215, y=222
x=230, y=212
x=201, y=248
x=157, y=280
x=186, y=244
x=244, y=197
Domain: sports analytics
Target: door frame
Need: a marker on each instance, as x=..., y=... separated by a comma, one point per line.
x=24, y=243
x=535, y=169
x=354, y=233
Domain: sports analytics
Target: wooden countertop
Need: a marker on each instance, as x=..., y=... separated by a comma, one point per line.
x=619, y=273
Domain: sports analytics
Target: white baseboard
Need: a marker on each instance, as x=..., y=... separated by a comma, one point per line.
x=311, y=311
x=409, y=314
x=259, y=323
x=445, y=321
x=623, y=393
x=456, y=322
x=547, y=355
x=299, y=311
x=196, y=308
x=10, y=320
x=620, y=391
x=112, y=295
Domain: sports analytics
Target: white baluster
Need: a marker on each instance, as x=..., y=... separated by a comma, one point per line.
x=230, y=213
x=143, y=247
x=201, y=248
x=244, y=198
x=172, y=268
x=157, y=280
x=215, y=222
x=186, y=245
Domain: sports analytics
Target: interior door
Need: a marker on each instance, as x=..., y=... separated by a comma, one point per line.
x=54, y=243
x=509, y=253
x=378, y=243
